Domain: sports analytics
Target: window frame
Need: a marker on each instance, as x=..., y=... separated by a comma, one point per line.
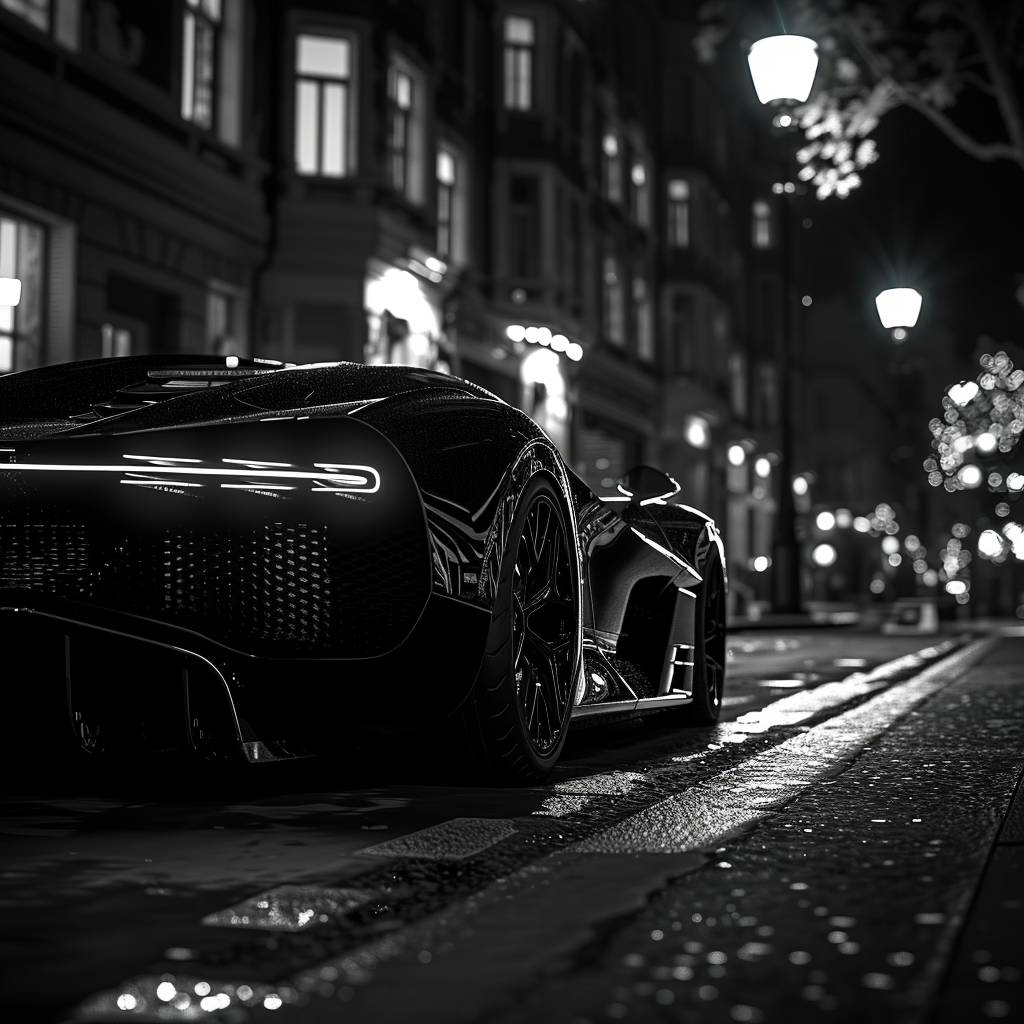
x=15, y=249
x=613, y=304
x=678, y=213
x=640, y=192
x=611, y=164
x=202, y=20
x=762, y=226
x=400, y=125
x=454, y=221
x=518, y=64
x=346, y=85
x=61, y=20
x=642, y=308
x=406, y=130
x=525, y=225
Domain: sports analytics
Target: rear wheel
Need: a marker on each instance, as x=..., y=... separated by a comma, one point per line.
x=709, y=649
x=518, y=714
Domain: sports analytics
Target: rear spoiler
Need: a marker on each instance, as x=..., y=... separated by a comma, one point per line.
x=93, y=389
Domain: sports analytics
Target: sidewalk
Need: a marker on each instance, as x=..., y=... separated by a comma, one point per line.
x=867, y=618
x=983, y=980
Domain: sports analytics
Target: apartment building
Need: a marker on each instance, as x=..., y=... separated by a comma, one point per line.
x=550, y=197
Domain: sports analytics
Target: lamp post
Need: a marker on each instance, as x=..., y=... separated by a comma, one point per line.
x=898, y=310
x=782, y=69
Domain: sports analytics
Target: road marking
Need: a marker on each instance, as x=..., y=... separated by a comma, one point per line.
x=455, y=839
x=289, y=908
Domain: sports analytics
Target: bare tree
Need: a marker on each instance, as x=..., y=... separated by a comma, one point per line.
x=957, y=63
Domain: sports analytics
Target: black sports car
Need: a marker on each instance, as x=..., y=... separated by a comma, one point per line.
x=246, y=558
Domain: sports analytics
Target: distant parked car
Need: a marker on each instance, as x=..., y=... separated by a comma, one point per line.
x=248, y=558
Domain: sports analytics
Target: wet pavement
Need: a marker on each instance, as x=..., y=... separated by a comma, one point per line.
x=816, y=855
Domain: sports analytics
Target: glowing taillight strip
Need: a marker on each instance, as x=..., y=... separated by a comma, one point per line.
x=366, y=482
x=160, y=458
x=159, y=483
x=258, y=463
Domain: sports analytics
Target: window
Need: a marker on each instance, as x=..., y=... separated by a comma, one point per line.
x=200, y=54
x=22, y=255
x=738, y=384
x=643, y=324
x=58, y=18
x=399, y=126
x=766, y=397
x=446, y=181
x=225, y=323
x=524, y=226
x=518, y=63
x=682, y=331
x=641, y=197
x=611, y=167
x=678, y=226
x=323, y=106
x=614, y=302
x=761, y=225
x=575, y=242
x=576, y=103
x=115, y=341
x=451, y=205
x=405, y=165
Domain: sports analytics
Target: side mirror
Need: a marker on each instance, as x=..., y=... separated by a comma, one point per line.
x=642, y=484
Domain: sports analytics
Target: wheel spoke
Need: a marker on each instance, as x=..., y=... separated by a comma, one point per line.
x=544, y=617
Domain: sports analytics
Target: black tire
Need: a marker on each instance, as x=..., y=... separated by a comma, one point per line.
x=709, y=649
x=518, y=714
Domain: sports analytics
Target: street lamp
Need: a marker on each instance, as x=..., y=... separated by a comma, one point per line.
x=898, y=309
x=782, y=69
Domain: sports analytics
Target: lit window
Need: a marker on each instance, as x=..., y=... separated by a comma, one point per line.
x=21, y=258
x=451, y=206
x=643, y=321
x=611, y=166
x=400, y=89
x=641, y=196
x=519, y=43
x=761, y=225
x=678, y=213
x=614, y=302
x=59, y=18
x=323, y=104
x=200, y=54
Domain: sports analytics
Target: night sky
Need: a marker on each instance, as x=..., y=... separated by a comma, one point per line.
x=929, y=216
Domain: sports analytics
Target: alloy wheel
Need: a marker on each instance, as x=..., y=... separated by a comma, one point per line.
x=543, y=624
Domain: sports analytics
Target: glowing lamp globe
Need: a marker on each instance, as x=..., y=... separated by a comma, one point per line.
x=783, y=67
x=898, y=307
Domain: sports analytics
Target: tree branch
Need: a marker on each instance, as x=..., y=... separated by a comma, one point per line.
x=1006, y=96
x=1013, y=150
x=1012, y=20
x=986, y=151
x=978, y=82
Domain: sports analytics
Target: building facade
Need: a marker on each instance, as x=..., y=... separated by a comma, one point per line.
x=552, y=198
